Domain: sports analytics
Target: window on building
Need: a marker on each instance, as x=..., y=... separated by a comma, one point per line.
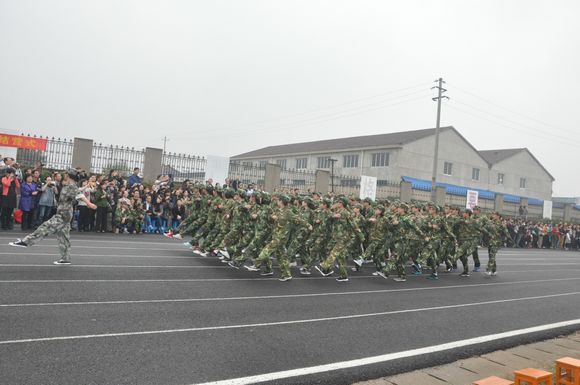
x=323, y=162
x=475, y=174
x=354, y=182
x=263, y=164
x=380, y=159
x=448, y=168
x=350, y=161
x=522, y=182
x=500, y=178
x=281, y=163
x=301, y=163
x=299, y=182
x=247, y=164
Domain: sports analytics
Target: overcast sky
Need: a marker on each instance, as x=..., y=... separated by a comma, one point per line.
x=226, y=77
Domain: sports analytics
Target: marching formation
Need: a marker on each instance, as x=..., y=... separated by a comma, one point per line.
x=250, y=229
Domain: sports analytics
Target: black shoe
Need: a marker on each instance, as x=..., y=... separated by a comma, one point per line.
x=18, y=243
x=464, y=274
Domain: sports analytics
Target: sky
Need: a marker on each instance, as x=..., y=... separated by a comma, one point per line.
x=226, y=77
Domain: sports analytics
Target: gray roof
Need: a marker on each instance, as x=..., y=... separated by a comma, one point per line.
x=495, y=156
x=356, y=142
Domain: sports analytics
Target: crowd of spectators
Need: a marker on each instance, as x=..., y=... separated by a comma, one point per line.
x=544, y=235
x=29, y=197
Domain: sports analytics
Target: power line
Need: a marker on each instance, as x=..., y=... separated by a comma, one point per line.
x=328, y=108
x=317, y=121
x=515, y=112
x=510, y=121
x=512, y=128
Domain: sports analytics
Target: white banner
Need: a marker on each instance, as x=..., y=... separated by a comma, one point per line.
x=217, y=168
x=472, y=198
x=547, y=210
x=368, y=187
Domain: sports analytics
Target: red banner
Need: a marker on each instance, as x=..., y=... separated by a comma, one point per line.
x=26, y=142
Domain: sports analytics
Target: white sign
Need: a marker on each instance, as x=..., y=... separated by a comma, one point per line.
x=547, y=209
x=472, y=198
x=368, y=187
x=217, y=168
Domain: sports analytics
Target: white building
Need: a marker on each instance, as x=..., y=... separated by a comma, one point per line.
x=389, y=157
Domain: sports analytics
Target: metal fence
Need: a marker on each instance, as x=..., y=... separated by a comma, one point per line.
x=58, y=154
x=183, y=166
x=123, y=159
x=247, y=173
x=303, y=180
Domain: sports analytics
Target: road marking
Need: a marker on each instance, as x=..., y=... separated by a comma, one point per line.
x=542, y=264
x=162, y=257
x=391, y=356
x=118, y=266
x=282, y=296
x=267, y=324
x=74, y=246
x=258, y=279
x=75, y=239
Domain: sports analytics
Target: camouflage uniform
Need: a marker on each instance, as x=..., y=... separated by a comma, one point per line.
x=498, y=235
x=262, y=233
x=318, y=239
x=377, y=250
x=469, y=235
x=405, y=237
x=59, y=224
x=283, y=221
x=343, y=231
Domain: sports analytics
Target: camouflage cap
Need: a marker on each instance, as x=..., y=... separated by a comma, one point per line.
x=368, y=200
x=229, y=193
x=404, y=206
x=381, y=208
x=284, y=198
x=344, y=200
x=71, y=172
x=327, y=202
x=357, y=206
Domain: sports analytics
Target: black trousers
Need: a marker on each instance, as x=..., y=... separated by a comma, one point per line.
x=83, y=218
x=6, y=218
x=27, y=220
x=101, y=219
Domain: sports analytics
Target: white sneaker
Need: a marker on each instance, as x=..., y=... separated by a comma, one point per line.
x=381, y=274
x=293, y=264
x=284, y=279
x=177, y=236
x=61, y=262
x=225, y=253
x=252, y=268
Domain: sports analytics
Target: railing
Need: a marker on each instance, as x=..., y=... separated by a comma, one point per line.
x=58, y=154
x=247, y=173
x=182, y=166
x=123, y=159
x=303, y=180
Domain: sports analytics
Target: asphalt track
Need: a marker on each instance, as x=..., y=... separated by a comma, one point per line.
x=144, y=310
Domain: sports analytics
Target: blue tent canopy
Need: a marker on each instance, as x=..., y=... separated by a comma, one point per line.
x=425, y=185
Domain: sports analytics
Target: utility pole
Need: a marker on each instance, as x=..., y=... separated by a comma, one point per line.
x=440, y=89
x=164, y=143
x=332, y=160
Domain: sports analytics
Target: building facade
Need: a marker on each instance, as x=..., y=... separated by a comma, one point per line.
x=389, y=157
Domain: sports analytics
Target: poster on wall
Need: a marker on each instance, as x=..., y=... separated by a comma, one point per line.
x=547, y=210
x=368, y=187
x=472, y=198
x=217, y=168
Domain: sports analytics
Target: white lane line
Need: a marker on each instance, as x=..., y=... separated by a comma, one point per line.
x=74, y=246
x=116, y=266
x=284, y=296
x=259, y=279
x=542, y=264
x=75, y=239
x=302, y=321
x=391, y=356
x=162, y=257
